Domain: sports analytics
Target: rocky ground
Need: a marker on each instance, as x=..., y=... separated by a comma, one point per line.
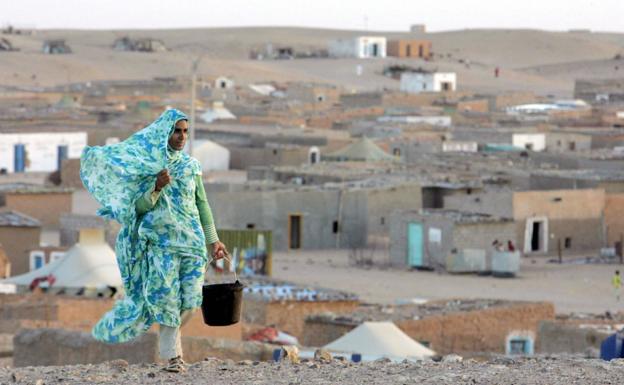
x=538, y=370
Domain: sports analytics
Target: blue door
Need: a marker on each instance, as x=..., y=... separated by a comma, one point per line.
x=61, y=153
x=415, y=244
x=19, y=159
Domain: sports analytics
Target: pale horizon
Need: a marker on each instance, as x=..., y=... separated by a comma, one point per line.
x=387, y=16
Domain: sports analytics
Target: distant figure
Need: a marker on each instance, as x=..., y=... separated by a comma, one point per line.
x=616, y=282
x=510, y=246
x=498, y=246
x=496, y=72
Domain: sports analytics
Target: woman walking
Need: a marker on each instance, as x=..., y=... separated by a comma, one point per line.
x=155, y=191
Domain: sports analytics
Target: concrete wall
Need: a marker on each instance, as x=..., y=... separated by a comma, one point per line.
x=496, y=203
x=17, y=241
x=46, y=207
x=242, y=158
x=564, y=142
x=555, y=337
x=357, y=211
x=41, y=149
x=56, y=347
x=461, y=332
x=574, y=214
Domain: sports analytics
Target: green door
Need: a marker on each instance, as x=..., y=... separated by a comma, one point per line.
x=415, y=244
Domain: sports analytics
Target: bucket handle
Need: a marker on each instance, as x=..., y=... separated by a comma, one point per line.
x=226, y=257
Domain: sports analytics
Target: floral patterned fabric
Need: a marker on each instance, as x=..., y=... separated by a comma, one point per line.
x=149, y=247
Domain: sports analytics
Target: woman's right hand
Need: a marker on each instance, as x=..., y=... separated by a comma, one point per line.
x=162, y=179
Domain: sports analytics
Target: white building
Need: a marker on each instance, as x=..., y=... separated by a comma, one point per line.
x=440, y=121
x=417, y=82
x=362, y=47
x=39, y=152
x=533, y=142
x=459, y=146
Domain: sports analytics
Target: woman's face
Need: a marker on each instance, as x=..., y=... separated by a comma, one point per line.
x=177, y=140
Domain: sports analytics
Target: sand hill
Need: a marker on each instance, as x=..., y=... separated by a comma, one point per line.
x=540, y=61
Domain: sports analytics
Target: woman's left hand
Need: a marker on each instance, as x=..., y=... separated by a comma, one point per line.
x=218, y=250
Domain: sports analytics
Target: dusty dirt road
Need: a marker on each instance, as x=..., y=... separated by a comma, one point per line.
x=572, y=288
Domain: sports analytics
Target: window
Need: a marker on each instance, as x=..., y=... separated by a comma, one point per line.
x=557, y=199
x=517, y=347
x=335, y=227
x=396, y=152
x=37, y=259
x=251, y=226
x=382, y=220
x=568, y=243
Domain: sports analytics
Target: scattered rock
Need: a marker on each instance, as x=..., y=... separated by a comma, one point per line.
x=151, y=374
x=17, y=377
x=452, y=358
x=120, y=365
x=383, y=360
x=592, y=353
x=39, y=382
x=290, y=354
x=312, y=365
x=245, y=362
x=322, y=355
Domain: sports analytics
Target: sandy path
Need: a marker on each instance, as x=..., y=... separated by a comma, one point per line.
x=572, y=288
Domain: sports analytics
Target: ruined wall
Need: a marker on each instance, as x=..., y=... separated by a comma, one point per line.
x=462, y=332
x=27, y=310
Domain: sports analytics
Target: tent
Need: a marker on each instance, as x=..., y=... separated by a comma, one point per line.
x=91, y=263
x=211, y=155
x=362, y=150
x=375, y=340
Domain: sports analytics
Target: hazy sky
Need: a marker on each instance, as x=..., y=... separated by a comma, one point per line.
x=599, y=15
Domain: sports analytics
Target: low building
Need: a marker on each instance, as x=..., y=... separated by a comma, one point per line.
x=599, y=90
x=55, y=47
x=46, y=204
x=459, y=146
x=570, y=220
x=531, y=142
x=404, y=48
x=39, y=152
x=362, y=47
x=447, y=240
x=19, y=234
x=423, y=81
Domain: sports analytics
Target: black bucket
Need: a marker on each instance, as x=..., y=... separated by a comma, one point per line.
x=222, y=303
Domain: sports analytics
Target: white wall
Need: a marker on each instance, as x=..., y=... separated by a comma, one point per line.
x=444, y=77
x=41, y=149
x=416, y=82
x=452, y=146
x=359, y=47
x=442, y=121
x=537, y=142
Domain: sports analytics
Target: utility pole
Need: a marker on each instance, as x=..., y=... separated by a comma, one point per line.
x=193, y=103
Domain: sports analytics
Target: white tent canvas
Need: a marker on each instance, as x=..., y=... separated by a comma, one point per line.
x=91, y=263
x=374, y=340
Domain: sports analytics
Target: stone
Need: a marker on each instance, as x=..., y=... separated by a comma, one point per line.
x=322, y=355
x=290, y=354
x=452, y=358
x=120, y=365
x=245, y=362
x=17, y=377
x=39, y=382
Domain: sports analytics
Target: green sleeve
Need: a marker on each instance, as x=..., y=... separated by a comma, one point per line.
x=205, y=213
x=147, y=201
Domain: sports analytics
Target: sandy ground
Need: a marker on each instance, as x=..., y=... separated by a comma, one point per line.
x=538, y=370
x=224, y=51
x=572, y=288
